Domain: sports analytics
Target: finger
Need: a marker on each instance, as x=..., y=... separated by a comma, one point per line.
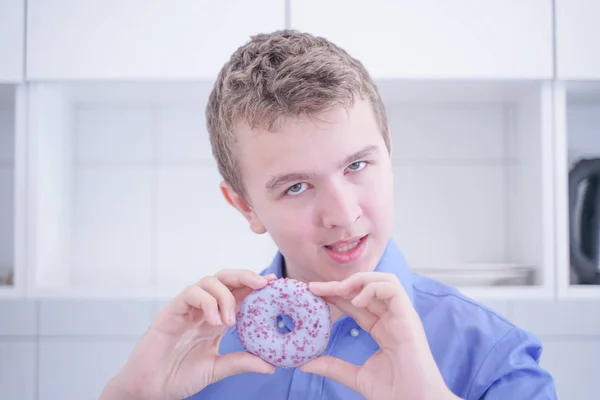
x=375, y=306
x=358, y=281
x=239, y=362
x=241, y=293
x=234, y=278
x=327, y=289
x=225, y=299
x=323, y=288
x=270, y=277
x=363, y=317
x=385, y=292
x=356, y=284
x=196, y=297
x=333, y=368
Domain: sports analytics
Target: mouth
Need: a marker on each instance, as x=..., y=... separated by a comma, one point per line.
x=344, y=245
x=347, y=251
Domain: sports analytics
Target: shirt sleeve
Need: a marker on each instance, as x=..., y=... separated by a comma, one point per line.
x=511, y=370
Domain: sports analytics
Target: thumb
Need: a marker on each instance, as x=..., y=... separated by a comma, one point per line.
x=333, y=368
x=239, y=362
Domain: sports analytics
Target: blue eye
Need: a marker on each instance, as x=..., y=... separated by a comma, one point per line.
x=296, y=189
x=357, y=166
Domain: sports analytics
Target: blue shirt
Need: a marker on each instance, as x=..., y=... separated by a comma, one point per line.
x=480, y=354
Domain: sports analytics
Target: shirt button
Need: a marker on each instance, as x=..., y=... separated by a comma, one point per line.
x=354, y=332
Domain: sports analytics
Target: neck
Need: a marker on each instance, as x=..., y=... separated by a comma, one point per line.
x=290, y=272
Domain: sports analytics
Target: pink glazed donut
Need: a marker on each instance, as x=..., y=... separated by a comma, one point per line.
x=284, y=323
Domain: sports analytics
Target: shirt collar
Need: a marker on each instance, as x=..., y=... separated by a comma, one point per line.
x=392, y=261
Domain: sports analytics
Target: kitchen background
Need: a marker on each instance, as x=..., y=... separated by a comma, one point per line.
x=109, y=200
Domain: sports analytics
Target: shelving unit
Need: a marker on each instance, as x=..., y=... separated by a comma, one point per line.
x=121, y=180
x=474, y=183
x=108, y=186
x=577, y=114
x=124, y=197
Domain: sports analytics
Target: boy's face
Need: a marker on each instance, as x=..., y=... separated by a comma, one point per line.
x=316, y=185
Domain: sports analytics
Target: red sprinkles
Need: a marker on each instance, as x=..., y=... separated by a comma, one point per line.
x=257, y=323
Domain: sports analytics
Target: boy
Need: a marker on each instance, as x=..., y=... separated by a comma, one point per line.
x=302, y=142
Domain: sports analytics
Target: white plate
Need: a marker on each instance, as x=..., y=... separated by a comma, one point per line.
x=479, y=274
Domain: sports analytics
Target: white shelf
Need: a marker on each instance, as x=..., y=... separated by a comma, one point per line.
x=474, y=183
x=580, y=292
x=120, y=177
x=577, y=115
x=124, y=198
x=513, y=293
x=11, y=292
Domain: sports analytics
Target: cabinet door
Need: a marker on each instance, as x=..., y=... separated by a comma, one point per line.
x=435, y=39
x=578, y=39
x=140, y=39
x=12, y=20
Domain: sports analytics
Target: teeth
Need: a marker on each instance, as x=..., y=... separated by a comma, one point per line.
x=346, y=247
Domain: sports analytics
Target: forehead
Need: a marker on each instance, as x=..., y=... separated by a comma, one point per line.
x=309, y=144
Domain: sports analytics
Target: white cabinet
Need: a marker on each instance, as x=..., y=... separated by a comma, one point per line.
x=577, y=39
x=434, y=39
x=139, y=39
x=12, y=37
x=123, y=199
x=113, y=190
x=474, y=184
x=123, y=193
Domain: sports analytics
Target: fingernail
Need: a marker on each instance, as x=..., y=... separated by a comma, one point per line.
x=232, y=317
x=218, y=319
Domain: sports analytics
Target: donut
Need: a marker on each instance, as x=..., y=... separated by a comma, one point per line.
x=284, y=323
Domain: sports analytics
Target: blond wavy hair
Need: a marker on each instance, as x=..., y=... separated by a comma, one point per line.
x=280, y=75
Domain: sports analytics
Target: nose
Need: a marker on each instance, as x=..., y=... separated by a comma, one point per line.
x=339, y=207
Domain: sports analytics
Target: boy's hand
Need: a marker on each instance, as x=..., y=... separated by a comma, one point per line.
x=403, y=367
x=178, y=356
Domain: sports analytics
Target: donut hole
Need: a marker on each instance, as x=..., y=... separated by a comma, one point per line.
x=284, y=323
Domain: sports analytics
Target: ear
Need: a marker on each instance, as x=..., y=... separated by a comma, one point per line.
x=243, y=207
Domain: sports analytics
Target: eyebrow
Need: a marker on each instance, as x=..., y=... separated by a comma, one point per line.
x=279, y=180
